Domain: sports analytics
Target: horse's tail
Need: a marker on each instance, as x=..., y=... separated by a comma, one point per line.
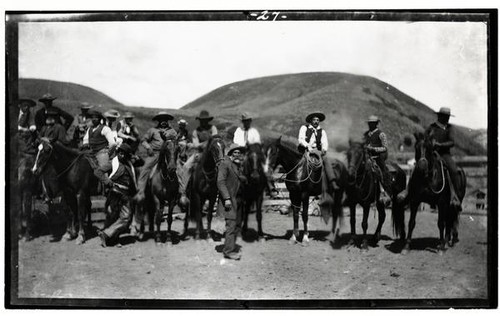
x=398, y=214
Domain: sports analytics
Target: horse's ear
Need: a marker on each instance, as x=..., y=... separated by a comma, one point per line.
x=278, y=141
x=350, y=142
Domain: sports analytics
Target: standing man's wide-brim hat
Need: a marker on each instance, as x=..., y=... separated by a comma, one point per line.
x=373, y=119
x=29, y=102
x=246, y=117
x=182, y=122
x=111, y=114
x=204, y=115
x=86, y=106
x=162, y=116
x=234, y=147
x=317, y=114
x=128, y=115
x=47, y=97
x=94, y=113
x=444, y=111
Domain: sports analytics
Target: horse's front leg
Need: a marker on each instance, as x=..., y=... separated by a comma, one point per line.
x=352, y=221
x=411, y=226
x=441, y=226
x=159, y=205
x=296, y=209
x=260, y=231
x=71, y=216
x=82, y=199
x=381, y=219
x=210, y=210
x=171, y=205
x=364, y=225
x=305, y=218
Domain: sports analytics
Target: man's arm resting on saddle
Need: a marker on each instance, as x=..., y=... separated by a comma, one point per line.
x=451, y=140
x=381, y=149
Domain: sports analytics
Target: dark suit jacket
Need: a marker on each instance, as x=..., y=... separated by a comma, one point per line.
x=229, y=180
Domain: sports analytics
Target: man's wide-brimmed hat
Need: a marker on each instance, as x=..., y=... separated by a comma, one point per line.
x=125, y=148
x=86, y=106
x=444, y=111
x=47, y=97
x=234, y=147
x=128, y=115
x=317, y=114
x=94, y=113
x=182, y=122
x=204, y=115
x=162, y=116
x=29, y=102
x=373, y=119
x=111, y=114
x=246, y=117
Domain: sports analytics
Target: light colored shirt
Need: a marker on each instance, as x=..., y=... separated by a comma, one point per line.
x=31, y=122
x=312, y=142
x=246, y=137
x=106, y=132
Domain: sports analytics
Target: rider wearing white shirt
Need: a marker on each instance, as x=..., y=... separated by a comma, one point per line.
x=246, y=135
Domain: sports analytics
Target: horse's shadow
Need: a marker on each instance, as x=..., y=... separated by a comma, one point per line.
x=417, y=244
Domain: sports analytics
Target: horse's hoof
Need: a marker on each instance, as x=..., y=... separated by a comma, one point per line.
x=67, y=236
x=210, y=240
x=351, y=243
x=262, y=239
x=292, y=240
x=405, y=251
x=305, y=241
x=364, y=246
x=80, y=240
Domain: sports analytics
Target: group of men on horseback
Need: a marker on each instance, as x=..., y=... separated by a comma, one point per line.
x=111, y=151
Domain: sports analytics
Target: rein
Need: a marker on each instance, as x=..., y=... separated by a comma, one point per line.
x=444, y=182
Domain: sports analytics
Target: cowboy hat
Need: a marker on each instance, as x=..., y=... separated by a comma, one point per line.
x=125, y=148
x=182, y=121
x=111, y=114
x=128, y=115
x=47, y=97
x=234, y=147
x=246, y=117
x=204, y=115
x=373, y=119
x=317, y=114
x=444, y=111
x=86, y=106
x=29, y=102
x=94, y=113
x=162, y=116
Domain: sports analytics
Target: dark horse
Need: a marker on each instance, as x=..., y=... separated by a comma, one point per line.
x=430, y=183
x=75, y=176
x=253, y=191
x=364, y=189
x=162, y=187
x=303, y=179
x=203, y=185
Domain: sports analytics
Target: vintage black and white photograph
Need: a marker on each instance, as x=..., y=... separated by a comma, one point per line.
x=251, y=158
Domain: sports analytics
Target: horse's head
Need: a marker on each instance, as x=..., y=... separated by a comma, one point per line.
x=355, y=158
x=272, y=154
x=422, y=151
x=45, y=150
x=215, y=148
x=254, y=162
x=168, y=154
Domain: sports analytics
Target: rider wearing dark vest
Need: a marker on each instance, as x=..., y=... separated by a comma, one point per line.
x=319, y=143
x=97, y=141
x=376, y=144
x=442, y=135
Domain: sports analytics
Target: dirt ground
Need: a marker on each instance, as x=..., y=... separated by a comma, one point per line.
x=273, y=269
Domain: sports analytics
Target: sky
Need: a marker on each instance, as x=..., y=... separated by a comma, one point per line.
x=169, y=64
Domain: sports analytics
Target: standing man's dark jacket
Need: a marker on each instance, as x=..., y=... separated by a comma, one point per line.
x=229, y=183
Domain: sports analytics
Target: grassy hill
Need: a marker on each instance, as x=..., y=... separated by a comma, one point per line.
x=279, y=105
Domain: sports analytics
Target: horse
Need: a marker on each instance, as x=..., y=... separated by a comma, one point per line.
x=26, y=182
x=364, y=189
x=203, y=186
x=255, y=171
x=303, y=179
x=75, y=177
x=162, y=186
x=430, y=183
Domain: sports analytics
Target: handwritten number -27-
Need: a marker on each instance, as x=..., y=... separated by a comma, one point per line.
x=264, y=15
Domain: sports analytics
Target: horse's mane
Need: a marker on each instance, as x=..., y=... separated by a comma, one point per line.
x=164, y=147
x=258, y=149
x=289, y=145
x=72, y=152
x=206, y=150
